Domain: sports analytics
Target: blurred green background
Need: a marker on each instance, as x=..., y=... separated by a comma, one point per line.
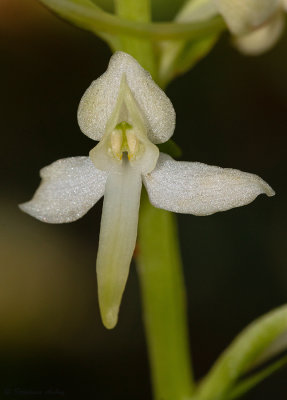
x=232, y=112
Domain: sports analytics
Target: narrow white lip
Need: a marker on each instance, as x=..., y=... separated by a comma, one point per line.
x=117, y=239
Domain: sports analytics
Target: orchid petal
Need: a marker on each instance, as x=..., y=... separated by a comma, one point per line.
x=244, y=15
x=100, y=99
x=263, y=38
x=69, y=188
x=117, y=239
x=200, y=189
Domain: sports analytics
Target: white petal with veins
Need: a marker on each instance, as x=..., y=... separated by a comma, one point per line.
x=200, y=189
x=69, y=188
x=243, y=15
x=99, y=100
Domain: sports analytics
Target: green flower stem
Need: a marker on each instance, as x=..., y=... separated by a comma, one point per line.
x=164, y=308
x=159, y=264
x=140, y=48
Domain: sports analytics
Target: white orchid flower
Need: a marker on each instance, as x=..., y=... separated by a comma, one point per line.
x=128, y=114
x=255, y=24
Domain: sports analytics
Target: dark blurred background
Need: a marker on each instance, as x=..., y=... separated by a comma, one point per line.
x=232, y=112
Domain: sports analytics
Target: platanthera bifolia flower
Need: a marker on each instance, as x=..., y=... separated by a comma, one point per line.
x=128, y=114
x=255, y=24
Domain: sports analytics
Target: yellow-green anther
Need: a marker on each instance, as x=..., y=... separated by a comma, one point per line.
x=123, y=139
x=116, y=144
x=133, y=145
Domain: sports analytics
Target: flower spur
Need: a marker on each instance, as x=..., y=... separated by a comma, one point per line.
x=129, y=114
